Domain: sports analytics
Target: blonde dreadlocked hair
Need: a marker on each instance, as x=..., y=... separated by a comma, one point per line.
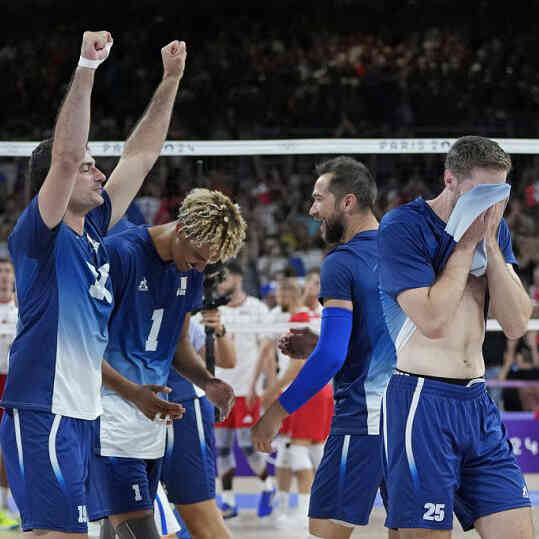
x=210, y=217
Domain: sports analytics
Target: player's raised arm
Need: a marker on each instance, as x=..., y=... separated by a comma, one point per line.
x=71, y=131
x=143, y=146
x=510, y=304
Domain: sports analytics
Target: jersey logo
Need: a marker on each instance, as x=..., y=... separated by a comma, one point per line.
x=98, y=290
x=182, y=289
x=93, y=243
x=143, y=286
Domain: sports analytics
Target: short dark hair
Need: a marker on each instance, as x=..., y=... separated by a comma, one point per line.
x=350, y=176
x=471, y=152
x=234, y=267
x=39, y=165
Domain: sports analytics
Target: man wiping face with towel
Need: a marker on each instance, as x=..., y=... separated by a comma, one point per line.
x=443, y=264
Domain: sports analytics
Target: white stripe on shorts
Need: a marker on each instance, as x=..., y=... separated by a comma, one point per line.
x=200, y=423
x=384, y=426
x=52, y=446
x=18, y=438
x=410, y=424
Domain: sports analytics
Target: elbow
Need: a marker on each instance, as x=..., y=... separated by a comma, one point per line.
x=515, y=329
x=433, y=329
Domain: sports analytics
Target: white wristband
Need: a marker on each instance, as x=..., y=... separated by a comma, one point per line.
x=94, y=64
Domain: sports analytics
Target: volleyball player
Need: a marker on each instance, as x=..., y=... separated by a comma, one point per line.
x=354, y=348
x=65, y=297
x=157, y=280
x=444, y=264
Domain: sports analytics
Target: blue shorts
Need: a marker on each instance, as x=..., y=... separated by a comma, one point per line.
x=189, y=464
x=47, y=459
x=348, y=478
x=446, y=449
x=123, y=485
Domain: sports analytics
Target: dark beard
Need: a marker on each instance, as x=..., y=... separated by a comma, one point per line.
x=334, y=230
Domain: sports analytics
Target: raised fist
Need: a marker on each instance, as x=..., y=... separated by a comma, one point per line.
x=96, y=45
x=174, y=55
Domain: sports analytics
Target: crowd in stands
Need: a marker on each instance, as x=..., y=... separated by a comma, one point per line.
x=301, y=78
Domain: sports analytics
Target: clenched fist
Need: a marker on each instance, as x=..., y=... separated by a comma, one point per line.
x=96, y=45
x=174, y=55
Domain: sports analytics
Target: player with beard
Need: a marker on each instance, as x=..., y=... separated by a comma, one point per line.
x=354, y=348
x=241, y=310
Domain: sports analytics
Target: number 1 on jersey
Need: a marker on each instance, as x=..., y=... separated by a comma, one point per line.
x=151, y=341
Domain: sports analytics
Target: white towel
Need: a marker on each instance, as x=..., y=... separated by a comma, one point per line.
x=468, y=207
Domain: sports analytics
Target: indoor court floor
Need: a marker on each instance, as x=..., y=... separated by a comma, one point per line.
x=247, y=526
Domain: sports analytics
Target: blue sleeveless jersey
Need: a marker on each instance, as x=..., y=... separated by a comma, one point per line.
x=350, y=272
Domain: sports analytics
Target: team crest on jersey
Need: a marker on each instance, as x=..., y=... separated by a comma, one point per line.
x=182, y=289
x=143, y=286
x=93, y=243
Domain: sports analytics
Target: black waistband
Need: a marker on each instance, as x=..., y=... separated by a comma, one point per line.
x=455, y=381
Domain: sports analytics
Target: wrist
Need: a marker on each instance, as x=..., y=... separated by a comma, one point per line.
x=220, y=331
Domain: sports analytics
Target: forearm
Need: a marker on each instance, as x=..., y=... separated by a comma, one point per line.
x=509, y=302
x=190, y=365
x=118, y=383
x=438, y=305
x=73, y=122
x=148, y=137
x=225, y=353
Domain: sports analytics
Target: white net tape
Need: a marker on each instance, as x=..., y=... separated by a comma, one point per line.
x=281, y=329
x=196, y=148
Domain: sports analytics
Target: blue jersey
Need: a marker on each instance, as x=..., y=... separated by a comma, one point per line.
x=183, y=389
x=65, y=300
x=414, y=248
x=349, y=272
x=152, y=299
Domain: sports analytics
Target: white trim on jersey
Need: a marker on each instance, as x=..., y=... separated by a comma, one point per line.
x=405, y=332
x=18, y=438
x=373, y=404
x=410, y=424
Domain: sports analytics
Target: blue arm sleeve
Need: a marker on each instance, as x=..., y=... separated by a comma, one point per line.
x=325, y=361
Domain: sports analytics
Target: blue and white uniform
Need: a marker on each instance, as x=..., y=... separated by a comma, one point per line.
x=53, y=388
x=152, y=299
x=445, y=448
x=189, y=465
x=350, y=472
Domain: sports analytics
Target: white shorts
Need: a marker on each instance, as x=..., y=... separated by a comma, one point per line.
x=165, y=520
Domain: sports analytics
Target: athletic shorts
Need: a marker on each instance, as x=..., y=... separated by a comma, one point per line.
x=241, y=416
x=313, y=420
x=446, y=449
x=123, y=485
x=165, y=520
x=47, y=459
x=347, y=480
x=189, y=465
